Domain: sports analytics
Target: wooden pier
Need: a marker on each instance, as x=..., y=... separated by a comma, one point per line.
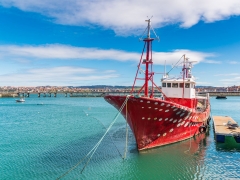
x=225, y=126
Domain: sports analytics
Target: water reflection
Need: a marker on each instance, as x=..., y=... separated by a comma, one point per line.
x=182, y=160
x=230, y=145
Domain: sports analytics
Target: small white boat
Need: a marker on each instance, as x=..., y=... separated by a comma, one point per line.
x=20, y=100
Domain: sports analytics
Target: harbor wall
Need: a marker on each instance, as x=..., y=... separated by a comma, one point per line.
x=8, y=95
x=237, y=93
x=101, y=94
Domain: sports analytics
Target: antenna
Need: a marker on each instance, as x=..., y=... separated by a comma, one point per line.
x=148, y=29
x=149, y=18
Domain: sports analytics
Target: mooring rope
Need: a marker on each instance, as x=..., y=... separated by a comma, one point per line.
x=98, y=143
x=190, y=138
x=125, y=153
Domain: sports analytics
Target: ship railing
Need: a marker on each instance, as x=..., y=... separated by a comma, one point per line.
x=202, y=101
x=156, y=94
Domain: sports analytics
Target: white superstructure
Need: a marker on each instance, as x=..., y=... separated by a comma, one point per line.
x=182, y=87
x=178, y=89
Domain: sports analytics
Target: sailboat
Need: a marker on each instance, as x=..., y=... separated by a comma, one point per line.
x=176, y=116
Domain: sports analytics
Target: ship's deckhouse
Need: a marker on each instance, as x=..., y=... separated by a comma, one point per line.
x=177, y=88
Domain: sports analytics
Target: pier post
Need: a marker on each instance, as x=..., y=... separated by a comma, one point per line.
x=55, y=94
x=65, y=94
x=50, y=94
x=38, y=94
x=27, y=94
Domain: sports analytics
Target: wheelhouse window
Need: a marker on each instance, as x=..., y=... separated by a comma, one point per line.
x=181, y=85
x=163, y=84
x=175, y=85
x=187, y=85
x=168, y=85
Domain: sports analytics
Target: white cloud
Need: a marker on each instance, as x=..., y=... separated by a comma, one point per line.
x=66, y=70
x=63, y=52
x=126, y=16
x=174, y=56
x=65, y=75
x=212, y=62
x=203, y=83
x=227, y=74
x=110, y=71
x=233, y=62
x=57, y=51
x=228, y=80
x=231, y=81
x=22, y=75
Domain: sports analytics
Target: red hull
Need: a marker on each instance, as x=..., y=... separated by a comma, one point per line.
x=156, y=122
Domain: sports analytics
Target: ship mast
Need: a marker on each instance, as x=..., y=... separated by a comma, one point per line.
x=147, y=62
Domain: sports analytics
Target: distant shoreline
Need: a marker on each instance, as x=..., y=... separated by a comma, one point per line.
x=98, y=94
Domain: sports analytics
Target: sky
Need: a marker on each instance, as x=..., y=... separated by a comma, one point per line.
x=96, y=42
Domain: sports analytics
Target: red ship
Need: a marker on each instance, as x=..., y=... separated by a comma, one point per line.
x=177, y=115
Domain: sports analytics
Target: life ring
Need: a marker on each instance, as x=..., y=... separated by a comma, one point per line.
x=202, y=129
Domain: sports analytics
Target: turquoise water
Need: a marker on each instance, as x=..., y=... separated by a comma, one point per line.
x=44, y=138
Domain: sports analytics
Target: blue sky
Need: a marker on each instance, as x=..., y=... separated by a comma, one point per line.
x=77, y=43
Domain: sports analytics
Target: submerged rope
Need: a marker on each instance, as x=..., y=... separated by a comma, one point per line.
x=109, y=136
x=98, y=143
x=106, y=129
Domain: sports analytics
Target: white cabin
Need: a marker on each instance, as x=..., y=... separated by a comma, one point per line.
x=177, y=88
x=181, y=87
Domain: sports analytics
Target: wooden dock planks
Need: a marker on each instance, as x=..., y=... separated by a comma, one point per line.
x=222, y=128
